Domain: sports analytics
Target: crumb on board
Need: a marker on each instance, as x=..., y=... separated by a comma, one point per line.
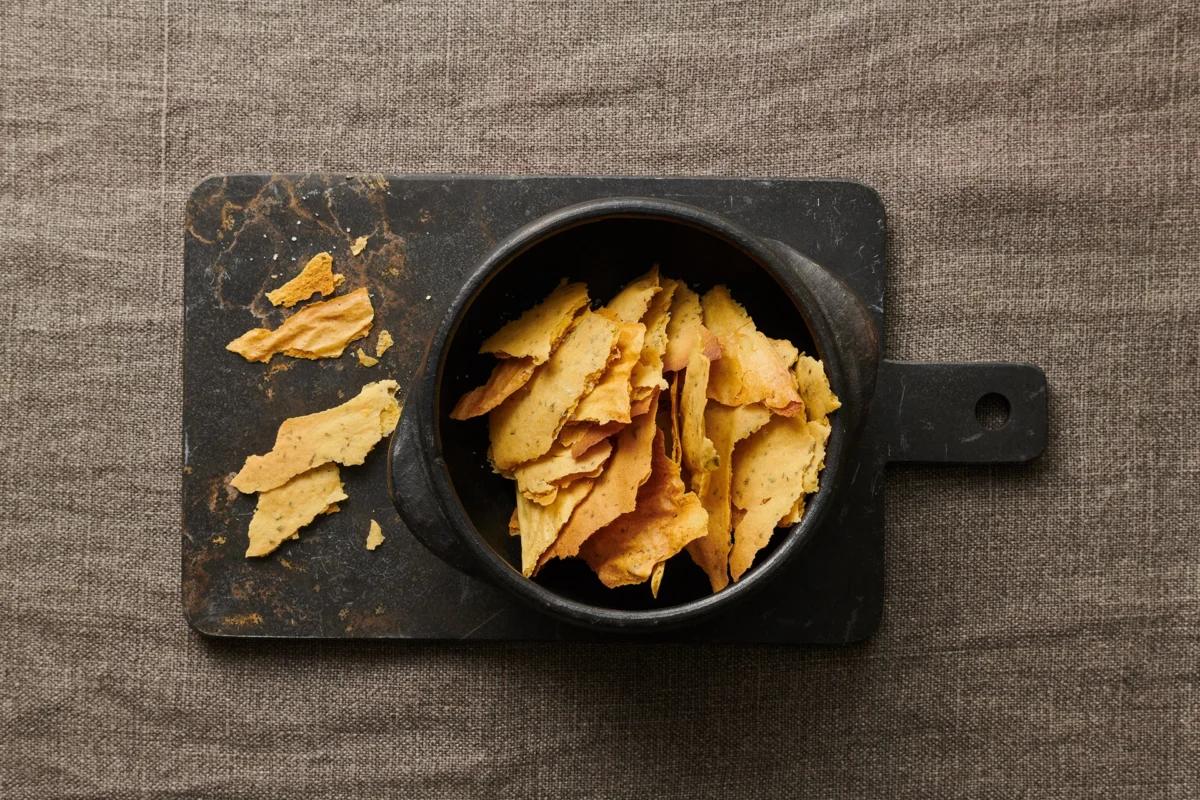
x=374, y=536
x=358, y=245
x=364, y=359
x=383, y=343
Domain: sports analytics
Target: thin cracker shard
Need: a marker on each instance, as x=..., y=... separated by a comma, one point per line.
x=699, y=454
x=541, y=478
x=343, y=434
x=813, y=385
x=536, y=332
x=656, y=578
x=676, y=441
x=358, y=245
x=507, y=377
x=631, y=302
x=666, y=518
x=582, y=436
x=281, y=512
x=383, y=343
x=683, y=328
x=616, y=489
x=609, y=399
x=726, y=427
x=525, y=425
x=317, y=277
x=793, y=516
x=539, y=525
x=364, y=359
x=374, y=535
x=320, y=330
x=751, y=369
x=648, y=372
x=769, y=469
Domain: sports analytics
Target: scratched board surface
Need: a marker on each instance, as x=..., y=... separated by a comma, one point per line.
x=247, y=234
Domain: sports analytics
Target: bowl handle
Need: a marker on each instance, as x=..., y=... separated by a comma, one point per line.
x=412, y=495
x=929, y=413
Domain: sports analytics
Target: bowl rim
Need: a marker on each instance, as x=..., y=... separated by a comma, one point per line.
x=497, y=569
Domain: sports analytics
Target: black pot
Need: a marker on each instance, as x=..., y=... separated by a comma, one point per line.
x=440, y=479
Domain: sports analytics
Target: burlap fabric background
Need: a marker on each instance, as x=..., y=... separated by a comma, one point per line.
x=1039, y=165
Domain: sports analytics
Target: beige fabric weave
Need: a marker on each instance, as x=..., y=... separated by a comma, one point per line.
x=1039, y=165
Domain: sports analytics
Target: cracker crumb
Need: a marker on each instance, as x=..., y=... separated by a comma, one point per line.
x=374, y=536
x=364, y=359
x=383, y=343
x=358, y=245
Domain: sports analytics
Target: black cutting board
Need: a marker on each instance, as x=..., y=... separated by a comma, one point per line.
x=246, y=234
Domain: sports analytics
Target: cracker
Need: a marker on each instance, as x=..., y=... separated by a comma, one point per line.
x=343, y=434
x=726, y=427
x=536, y=332
x=539, y=525
x=813, y=386
x=609, y=400
x=699, y=455
x=616, y=489
x=281, y=512
x=631, y=302
x=666, y=518
x=525, y=425
x=768, y=477
x=320, y=330
x=648, y=372
x=540, y=479
x=317, y=277
x=750, y=369
x=507, y=377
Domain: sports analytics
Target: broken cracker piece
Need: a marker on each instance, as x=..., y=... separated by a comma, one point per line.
x=374, y=535
x=666, y=518
x=383, y=342
x=281, y=512
x=648, y=372
x=609, y=401
x=813, y=385
x=750, y=369
x=631, y=302
x=582, y=436
x=525, y=425
x=683, y=328
x=535, y=333
x=364, y=359
x=793, y=516
x=726, y=427
x=507, y=377
x=539, y=525
x=317, y=277
x=542, y=477
x=343, y=434
x=699, y=455
x=358, y=245
x=656, y=577
x=320, y=330
x=616, y=489
x=768, y=473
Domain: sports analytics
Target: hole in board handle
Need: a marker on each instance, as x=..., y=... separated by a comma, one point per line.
x=992, y=411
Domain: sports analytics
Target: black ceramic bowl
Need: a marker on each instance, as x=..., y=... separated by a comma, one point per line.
x=440, y=478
